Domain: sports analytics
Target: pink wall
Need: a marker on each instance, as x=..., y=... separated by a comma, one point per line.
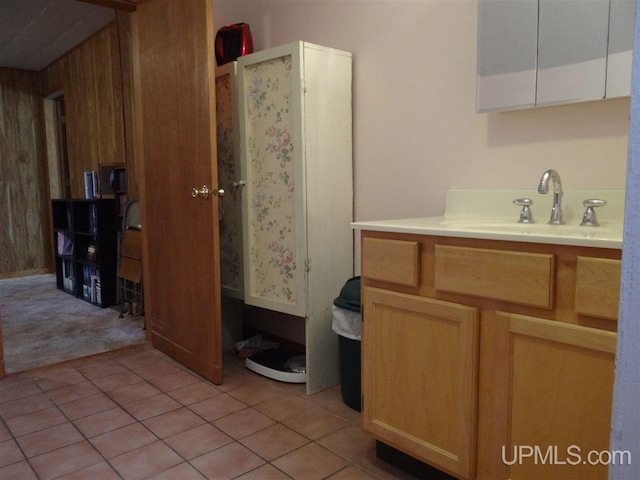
x=415, y=129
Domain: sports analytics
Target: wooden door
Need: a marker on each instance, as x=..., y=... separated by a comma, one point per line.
x=175, y=109
x=419, y=377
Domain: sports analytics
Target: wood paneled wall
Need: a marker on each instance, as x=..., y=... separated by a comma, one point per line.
x=90, y=77
x=95, y=80
x=25, y=234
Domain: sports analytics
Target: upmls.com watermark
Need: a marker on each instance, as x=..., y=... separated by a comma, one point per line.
x=573, y=455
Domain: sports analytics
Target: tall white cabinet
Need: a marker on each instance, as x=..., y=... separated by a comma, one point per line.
x=295, y=118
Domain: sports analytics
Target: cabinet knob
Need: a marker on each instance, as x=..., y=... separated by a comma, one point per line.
x=204, y=192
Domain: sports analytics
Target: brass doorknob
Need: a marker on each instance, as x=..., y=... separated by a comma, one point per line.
x=204, y=192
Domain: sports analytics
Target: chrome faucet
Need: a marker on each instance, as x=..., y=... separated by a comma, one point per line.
x=557, y=218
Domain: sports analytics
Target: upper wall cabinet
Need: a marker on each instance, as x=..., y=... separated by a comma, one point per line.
x=572, y=51
x=549, y=52
x=507, y=54
x=622, y=16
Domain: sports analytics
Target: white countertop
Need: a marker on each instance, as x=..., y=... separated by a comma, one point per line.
x=490, y=215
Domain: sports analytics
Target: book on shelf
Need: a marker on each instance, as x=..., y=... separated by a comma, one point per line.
x=93, y=219
x=65, y=243
x=98, y=291
x=68, y=281
x=92, y=250
x=92, y=287
x=91, y=185
x=91, y=284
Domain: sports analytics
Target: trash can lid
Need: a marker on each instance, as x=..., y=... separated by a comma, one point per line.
x=349, y=295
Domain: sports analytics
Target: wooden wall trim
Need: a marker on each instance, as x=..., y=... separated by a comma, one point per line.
x=125, y=36
x=26, y=273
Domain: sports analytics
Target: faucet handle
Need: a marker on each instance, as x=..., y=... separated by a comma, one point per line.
x=589, y=219
x=526, y=216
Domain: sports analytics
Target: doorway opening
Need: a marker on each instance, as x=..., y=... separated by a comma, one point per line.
x=57, y=145
x=63, y=158
x=43, y=325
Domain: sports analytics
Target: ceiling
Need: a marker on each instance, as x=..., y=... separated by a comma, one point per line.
x=34, y=33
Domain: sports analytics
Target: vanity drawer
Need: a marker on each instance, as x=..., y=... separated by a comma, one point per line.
x=394, y=261
x=598, y=287
x=515, y=277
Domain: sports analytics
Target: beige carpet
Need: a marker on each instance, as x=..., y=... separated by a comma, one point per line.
x=42, y=325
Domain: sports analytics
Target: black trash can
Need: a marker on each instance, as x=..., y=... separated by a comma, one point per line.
x=347, y=316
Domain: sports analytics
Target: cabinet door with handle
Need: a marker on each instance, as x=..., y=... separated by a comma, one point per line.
x=271, y=109
x=550, y=398
x=419, y=373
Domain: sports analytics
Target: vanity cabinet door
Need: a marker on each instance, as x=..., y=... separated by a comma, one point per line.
x=507, y=51
x=622, y=16
x=572, y=51
x=549, y=396
x=419, y=373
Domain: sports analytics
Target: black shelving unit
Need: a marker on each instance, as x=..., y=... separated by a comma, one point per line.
x=85, y=242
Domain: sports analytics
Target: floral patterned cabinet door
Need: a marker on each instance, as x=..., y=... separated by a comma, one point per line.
x=274, y=253
x=296, y=151
x=228, y=178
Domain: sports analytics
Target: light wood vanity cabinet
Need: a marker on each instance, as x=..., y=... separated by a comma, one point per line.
x=476, y=350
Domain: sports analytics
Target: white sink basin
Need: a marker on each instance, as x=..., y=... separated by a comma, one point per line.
x=536, y=229
x=607, y=235
x=490, y=214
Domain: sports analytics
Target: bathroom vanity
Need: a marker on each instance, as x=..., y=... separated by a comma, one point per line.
x=485, y=340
